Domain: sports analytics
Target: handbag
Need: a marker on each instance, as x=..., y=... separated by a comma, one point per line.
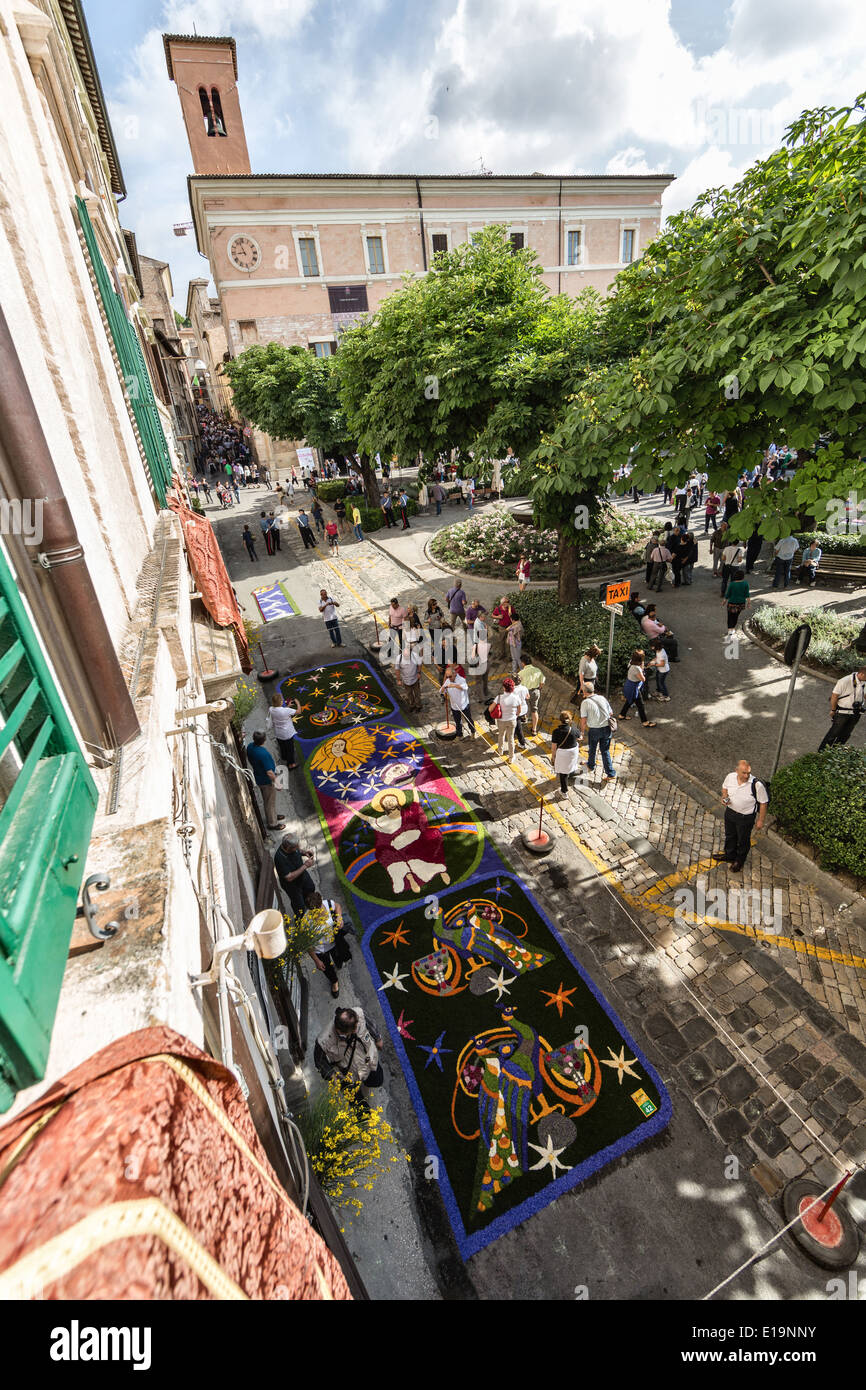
x=496, y=710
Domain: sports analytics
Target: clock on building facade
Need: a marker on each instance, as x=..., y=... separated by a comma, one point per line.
x=244, y=253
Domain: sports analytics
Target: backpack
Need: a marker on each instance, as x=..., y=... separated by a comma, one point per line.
x=765, y=785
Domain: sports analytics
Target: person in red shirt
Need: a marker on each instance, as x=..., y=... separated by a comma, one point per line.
x=332, y=532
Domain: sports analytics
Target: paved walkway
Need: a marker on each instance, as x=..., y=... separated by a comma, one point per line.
x=759, y=1024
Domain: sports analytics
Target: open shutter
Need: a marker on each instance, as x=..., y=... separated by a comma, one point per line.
x=47, y=808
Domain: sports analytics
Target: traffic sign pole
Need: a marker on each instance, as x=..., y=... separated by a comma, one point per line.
x=609, y=655
x=804, y=635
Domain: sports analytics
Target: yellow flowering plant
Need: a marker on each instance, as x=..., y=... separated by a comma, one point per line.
x=348, y=1146
x=245, y=699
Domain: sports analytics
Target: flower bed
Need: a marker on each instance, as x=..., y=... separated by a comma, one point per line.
x=484, y=544
x=830, y=648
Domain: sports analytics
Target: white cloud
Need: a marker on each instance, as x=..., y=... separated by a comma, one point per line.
x=553, y=86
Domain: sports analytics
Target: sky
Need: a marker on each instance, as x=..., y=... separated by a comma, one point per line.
x=696, y=88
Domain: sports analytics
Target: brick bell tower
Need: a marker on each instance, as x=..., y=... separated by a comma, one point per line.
x=205, y=71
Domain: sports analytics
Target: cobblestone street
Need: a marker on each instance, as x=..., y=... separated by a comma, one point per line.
x=757, y=1016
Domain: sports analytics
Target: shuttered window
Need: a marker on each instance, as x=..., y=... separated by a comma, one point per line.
x=135, y=375
x=47, y=807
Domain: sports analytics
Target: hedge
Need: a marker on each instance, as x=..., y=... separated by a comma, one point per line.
x=822, y=798
x=332, y=489
x=559, y=635
x=832, y=634
x=835, y=544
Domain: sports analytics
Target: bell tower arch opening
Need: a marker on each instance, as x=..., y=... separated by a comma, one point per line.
x=205, y=72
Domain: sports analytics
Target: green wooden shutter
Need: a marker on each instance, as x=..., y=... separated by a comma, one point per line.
x=47, y=808
x=131, y=358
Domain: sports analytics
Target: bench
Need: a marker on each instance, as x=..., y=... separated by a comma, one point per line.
x=852, y=566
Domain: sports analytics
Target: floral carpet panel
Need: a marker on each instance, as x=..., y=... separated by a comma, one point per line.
x=523, y=1079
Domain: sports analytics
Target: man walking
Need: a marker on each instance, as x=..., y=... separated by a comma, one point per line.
x=532, y=679
x=437, y=492
x=660, y=557
x=595, y=713
x=744, y=799
x=275, y=530
x=784, y=551
x=249, y=542
x=846, y=706
x=328, y=608
x=356, y=524
x=388, y=509
x=265, y=773
x=306, y=530
x=293, y=873
x=456, y=600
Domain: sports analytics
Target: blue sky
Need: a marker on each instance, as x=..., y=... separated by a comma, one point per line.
x=698, y=88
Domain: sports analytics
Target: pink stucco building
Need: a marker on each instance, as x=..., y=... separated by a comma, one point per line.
x=296, y=257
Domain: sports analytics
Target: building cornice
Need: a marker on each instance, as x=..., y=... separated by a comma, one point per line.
x=226, y=40
x=76, y=27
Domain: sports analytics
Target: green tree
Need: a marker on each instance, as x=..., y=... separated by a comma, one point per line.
x=747, y=317
x=477, y=355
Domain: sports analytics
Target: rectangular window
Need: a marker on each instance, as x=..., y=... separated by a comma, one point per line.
x=47, y=807
x=309, y=261
x=248, y=331
x=324, y=349
x=375, y=255
x=347, y=299
x=574, y=245
x=439, y=242
x=516, y=239
x=628, y=246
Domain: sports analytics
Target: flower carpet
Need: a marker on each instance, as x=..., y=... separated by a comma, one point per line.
x=523, y=1079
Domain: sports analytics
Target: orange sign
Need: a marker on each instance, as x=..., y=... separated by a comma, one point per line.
x=618, y=593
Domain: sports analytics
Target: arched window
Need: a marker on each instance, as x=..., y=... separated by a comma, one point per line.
x=206, y=111
x=218, y=112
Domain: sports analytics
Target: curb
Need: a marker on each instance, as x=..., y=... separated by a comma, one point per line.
x=804, y=665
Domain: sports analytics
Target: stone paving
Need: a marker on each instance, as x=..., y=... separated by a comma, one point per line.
x=767, y=1038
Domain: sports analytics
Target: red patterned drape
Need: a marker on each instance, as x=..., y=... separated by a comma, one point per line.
x=140, y=1175
x=210, y=573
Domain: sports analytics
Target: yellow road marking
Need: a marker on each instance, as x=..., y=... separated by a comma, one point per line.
x=644, y=901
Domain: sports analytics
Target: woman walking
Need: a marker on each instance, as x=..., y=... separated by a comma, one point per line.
x=505, y=712
x=587, y=671
x=565, y=751
x=331, y=950
x=523, y=572
x=632, y=687
x=736, y=597
x=514, y=638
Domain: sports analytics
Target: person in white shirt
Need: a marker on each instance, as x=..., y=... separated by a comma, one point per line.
x=328, y=608
x=281, y=718
x=595, y=715
x=660, y=557
x=587, y=670
x=784, y=550
x=744, y=798
x=409, y=671
x=506, y=721
x=565, y=750
x=661, y=665
x=456, y=688
x=846, y=705
x=522, y=694
x=733, y=557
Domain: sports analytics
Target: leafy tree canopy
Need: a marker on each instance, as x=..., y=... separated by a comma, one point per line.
x=748, y=312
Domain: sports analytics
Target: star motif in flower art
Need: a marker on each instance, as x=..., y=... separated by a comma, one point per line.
x=500, y=984
x=549, y=1158
x=403, y=1026
x=621, y=1066
x=393, y=981
x=397, y=937
x=559, y=997
x=435, y=1051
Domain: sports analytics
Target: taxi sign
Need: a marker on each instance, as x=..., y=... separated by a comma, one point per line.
x=617, y=593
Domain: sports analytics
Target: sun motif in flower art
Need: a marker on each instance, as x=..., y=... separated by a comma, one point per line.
x=345, y=752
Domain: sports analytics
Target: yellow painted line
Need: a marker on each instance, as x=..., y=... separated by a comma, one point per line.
x=643, y=901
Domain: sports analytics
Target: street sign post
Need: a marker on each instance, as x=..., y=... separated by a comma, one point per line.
x=613, y=596
x=794, y=652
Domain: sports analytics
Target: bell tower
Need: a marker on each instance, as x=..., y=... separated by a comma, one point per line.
x=205, y=71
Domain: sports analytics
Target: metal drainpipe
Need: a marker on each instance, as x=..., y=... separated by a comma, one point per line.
x=421, y=219
x=61, y=554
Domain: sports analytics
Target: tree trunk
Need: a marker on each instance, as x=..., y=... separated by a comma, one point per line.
x=371, y=482
x=569, y=583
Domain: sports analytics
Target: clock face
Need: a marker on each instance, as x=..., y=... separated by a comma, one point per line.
x=244, y=253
